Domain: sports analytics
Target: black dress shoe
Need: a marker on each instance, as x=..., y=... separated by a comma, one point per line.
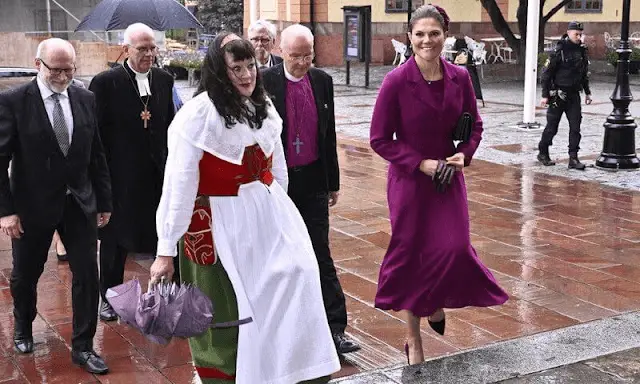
x=344, y=345
x=107, y=313
x=90, y=361
x=438, y=326
x=62, y=257
x=23, y=345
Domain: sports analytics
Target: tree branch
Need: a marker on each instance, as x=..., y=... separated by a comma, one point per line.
x=555, y=10
x=499, y=22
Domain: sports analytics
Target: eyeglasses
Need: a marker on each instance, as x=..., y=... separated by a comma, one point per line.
x=59, y=71
x=302, y=59
x=147, y=50
x=262, y=40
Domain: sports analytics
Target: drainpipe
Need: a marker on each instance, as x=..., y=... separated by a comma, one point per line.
x=312, y=16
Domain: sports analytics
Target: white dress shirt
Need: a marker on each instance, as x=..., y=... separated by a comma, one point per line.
x=49, y=104
x=268, y=65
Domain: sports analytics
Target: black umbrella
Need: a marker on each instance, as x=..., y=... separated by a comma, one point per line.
x=160, y=15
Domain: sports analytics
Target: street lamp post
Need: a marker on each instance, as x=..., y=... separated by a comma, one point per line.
x=619, y=147
x=408, y=52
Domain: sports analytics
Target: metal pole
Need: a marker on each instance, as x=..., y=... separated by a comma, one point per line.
x=619, y=147
x=408, y=52
x=348, y=80
x=531, y=65
x=49, y=17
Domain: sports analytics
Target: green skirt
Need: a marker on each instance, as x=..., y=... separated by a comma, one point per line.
x=214, y=352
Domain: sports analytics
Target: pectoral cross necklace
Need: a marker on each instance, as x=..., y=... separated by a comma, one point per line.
x=145, y=115
x=304, y=102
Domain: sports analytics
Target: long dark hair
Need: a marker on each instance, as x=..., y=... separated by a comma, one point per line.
x=216, y=82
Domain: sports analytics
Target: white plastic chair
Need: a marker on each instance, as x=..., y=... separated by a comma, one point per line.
x=400, y=49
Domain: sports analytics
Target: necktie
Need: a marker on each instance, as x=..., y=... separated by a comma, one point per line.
x=60, y=125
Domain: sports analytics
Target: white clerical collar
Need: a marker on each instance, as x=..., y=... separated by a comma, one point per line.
x=46, y=92
x=143, y=81
x=290, y=77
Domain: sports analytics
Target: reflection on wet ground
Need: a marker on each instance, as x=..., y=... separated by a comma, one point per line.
x=565, y=250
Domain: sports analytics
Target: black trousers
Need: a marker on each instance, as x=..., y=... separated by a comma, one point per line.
x=79, y=235
x=113, y=258
x=314, y=209
x=572, y=107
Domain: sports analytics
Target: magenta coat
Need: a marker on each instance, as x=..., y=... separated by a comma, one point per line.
x=430, y=262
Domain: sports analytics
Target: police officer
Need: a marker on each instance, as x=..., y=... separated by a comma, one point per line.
x=565, y=75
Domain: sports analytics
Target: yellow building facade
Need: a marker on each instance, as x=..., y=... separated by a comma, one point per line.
x=325, y=18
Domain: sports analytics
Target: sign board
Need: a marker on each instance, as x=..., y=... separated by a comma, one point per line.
x=356, y=33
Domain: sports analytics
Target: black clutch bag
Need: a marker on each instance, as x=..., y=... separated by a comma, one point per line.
x=463, y=127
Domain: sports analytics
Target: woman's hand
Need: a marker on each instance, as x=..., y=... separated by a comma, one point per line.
x=161, y=267
x=456, y=160
x=429, y=167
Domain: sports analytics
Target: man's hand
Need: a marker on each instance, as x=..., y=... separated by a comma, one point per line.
x=11, y=226
x=161, y=267
x=103, y=219
x=333, y=198
x=544, y=102
x=587, y=99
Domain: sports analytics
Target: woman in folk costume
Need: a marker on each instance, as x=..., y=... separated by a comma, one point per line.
x=225, y=149
x=430, y=263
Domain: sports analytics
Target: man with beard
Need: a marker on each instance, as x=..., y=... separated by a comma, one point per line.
x=59, y=181
x=565, y=75
x=303, y=97
x=262, y=35
x=135, y=108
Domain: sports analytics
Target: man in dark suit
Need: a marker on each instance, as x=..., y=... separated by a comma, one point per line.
x=135, y=108
x=59, y=181
x=262, y=35
x=303, y=97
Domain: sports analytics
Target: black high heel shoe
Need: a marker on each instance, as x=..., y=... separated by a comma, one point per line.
x=438, y=326
x=406, y=352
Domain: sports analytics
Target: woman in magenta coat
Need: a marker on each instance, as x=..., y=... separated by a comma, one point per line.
x=430, y=263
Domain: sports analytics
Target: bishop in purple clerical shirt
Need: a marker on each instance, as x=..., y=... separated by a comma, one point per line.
x=303, y=96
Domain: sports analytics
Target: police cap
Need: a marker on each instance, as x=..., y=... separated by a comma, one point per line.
x=575, y=26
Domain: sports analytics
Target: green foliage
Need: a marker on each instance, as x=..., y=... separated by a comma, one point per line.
x=542, y=59
x=612, y=56
x=218, y=15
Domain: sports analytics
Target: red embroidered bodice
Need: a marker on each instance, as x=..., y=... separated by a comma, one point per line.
x=222, y=178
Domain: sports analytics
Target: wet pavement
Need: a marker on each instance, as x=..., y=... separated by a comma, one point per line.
x=563, y=244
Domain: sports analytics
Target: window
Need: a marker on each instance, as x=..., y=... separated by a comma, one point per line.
x=401, y=5
x=584, y=6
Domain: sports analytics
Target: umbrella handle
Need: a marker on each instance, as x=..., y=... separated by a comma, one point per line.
x=229, y=324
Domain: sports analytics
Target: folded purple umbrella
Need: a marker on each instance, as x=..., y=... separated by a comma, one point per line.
x=165, y=310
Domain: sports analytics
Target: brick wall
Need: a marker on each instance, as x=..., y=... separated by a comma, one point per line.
x=502, y=4
x=329, y=47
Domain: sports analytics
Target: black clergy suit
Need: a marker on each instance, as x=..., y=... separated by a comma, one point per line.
x=136, y=157
x=309, y=186
x=49, y=191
